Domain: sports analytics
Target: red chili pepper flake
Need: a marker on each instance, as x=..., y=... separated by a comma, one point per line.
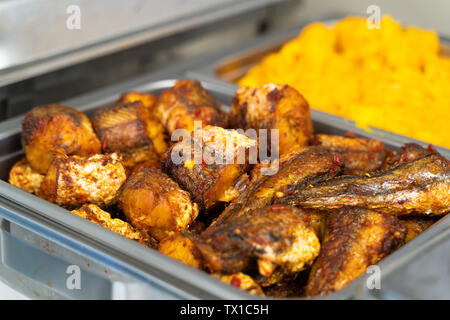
x=277, y=207
x=260, y=241
x=104, y=142
x=350, y=134
x=235, y=281
x=377, y=148
x=432, y=148
x=334, y=169
x=204, y=164
x=337, y=159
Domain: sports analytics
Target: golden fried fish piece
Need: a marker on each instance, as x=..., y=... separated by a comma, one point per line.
x=186, y=102
x=72, y=180
x=55, y=128
x=152, y=201
x=23, y=176
x=181, y=247
x=355, y=239
x=271, y=239
x=95, y=214
x=219, y=173
x=421, y=186
x=274, y=107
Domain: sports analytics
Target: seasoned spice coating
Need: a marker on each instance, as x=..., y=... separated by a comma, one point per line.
x=153, y=202
x=359, y=155
x=220, y=177
x=72, y=181
x=186, y=102
x=355, y=239
x=421, y=186
x=55, y=128
x=274, y=107
x=267, y=239
x=95, y=214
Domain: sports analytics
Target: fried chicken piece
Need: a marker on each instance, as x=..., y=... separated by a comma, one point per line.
x=356, y=238
x=72, y=180
x=359, y=155
x=186, y=102
x=241, y=281
x=181, y=247
x=24, y=177
x=55, y=128
x=218, y=172
x=95, y=214
x=267, y=239
x=416, y=225
x=421, y=186
x=312, y=165
x=274, y=107
x=152, y=201
x=131, y=129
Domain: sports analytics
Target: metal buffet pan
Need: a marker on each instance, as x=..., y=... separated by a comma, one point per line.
x=44, y=245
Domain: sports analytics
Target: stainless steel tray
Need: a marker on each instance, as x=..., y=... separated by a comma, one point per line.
x=39, y=240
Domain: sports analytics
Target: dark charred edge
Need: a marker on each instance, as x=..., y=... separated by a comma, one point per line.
x=275, y=97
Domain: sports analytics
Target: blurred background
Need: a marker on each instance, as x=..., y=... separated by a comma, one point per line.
x=45, y=56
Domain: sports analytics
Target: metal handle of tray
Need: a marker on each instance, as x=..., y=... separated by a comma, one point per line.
x=46, y=269
x=66, y=279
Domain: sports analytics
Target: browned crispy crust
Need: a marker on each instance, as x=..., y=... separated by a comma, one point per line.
x=309, y=166
x=355, y=239
x=359, y=155
x=55, y=128
x=95, y=214
x=274, y=107
x=152, y=201
x=131, y=129
x=216, y=182
x=147, y=99
x=421, y=186
x=267, y=239
x=187, y=101
x=72, y=181
x=411, y=152
x=181, y=247
x=416, y=225
x=23, y=176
